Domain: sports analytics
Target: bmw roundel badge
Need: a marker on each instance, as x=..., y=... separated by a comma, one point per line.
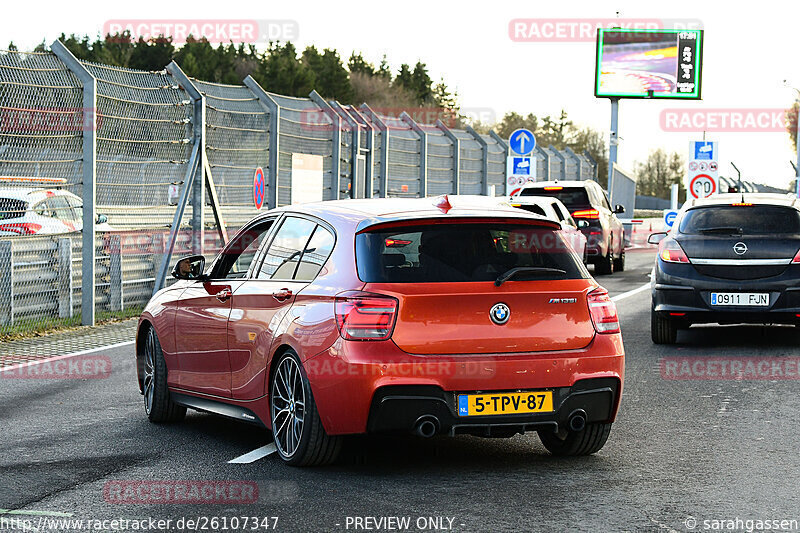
x=500, y=313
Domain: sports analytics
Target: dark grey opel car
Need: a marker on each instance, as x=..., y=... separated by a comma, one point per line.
x=729, y=259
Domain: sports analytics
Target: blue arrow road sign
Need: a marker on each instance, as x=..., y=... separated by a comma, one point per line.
x=669, y=217
x=521, y=141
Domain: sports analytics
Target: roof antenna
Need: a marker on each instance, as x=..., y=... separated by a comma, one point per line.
x=740, y=180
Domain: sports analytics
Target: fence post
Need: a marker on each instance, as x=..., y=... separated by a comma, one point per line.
x=6, y=283
x=504, y=146
x=199, y=132
x=423, y=152
x=370, y=154
x=115, y=275
x=356, y=188
x=456, y=142
x=384, y=129
x=274, y=110
x=64, y=269
x=188, y=179
x=485, y=160
x=577, y=159
x=336, y=148
x=593, y=163
x=558, y=155
x=89, y=178
x=546, y=163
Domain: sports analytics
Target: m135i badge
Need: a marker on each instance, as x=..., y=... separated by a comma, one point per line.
x=562, y=300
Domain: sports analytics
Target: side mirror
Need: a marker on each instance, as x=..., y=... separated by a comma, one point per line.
x=619, y=209
x=656, y=238
x=582, y=223
x=190, y=268
x=101, y=219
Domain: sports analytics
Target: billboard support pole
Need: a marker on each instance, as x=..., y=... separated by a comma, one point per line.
x=613, y=141
x=797, y=144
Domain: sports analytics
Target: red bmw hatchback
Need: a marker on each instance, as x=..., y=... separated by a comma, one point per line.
x=367, y=316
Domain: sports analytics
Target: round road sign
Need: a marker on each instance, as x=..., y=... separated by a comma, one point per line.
x=258, y=188
x=702, y=186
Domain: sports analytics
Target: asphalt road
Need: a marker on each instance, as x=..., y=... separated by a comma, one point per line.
x=680, y=450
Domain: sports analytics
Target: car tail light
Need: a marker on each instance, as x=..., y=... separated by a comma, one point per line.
x=603, y=311
x=553, y=188
x=396, y=243
x=22, y=228
x=586, y=213
x=742, y=204
x=796, y=257
x=670, y=251
x=362, y=316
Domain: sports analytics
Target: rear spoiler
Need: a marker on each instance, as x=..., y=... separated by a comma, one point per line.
x=423, y=219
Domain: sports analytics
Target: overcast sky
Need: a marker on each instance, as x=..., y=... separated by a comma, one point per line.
x=748, y=53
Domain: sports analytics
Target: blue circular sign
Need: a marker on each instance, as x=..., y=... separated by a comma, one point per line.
x=669, y=218
x=258, y=188
x=522, y=141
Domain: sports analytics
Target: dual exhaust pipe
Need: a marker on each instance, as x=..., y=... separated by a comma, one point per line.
x=427, y=426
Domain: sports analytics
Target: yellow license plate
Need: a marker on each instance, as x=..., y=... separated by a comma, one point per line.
x=505, y=403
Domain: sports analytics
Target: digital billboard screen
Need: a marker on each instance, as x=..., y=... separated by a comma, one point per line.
x=637, y=63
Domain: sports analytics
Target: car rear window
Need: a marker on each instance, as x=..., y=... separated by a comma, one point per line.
x=464, y=252
x=569, y=196
x=12, y=208
x=748, y=220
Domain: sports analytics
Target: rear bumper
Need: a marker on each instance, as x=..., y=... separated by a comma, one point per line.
x=351, y=382
x=400, y=408
x=681, y=290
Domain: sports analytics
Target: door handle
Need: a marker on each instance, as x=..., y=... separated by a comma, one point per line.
x=283, y=294
x=224, y=295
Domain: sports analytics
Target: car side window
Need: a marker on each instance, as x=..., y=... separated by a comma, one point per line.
x=559, y=213
x=77, y=207
x=286, y=249
x=236, y=258
x=60, y=209
x=41, y=209
x=604, y=200
x=317, y=251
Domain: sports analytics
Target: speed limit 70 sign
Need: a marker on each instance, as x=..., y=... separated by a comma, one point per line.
x=702, y=186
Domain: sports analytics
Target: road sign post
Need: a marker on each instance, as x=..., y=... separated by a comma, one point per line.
x=702, y=169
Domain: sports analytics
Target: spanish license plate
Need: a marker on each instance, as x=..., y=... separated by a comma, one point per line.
x=748, y=299
x=505, y=403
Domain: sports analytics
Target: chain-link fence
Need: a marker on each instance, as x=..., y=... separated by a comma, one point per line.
x=149, y=165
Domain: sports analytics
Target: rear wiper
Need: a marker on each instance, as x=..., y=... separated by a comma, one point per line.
x=726, y=230
x=508, y=274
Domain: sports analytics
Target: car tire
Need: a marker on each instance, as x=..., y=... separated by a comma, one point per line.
x=584, y=442
x=309, y=445
x=619, y=263
x=662, y=330
x=605, y=265
x=158, y=404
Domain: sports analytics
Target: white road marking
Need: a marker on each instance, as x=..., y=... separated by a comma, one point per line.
x=631, y=292
x=255, y=455
x=66, y=356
